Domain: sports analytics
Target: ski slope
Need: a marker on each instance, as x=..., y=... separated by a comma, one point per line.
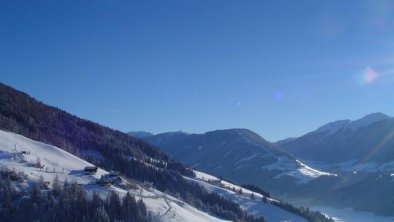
x=67, y=166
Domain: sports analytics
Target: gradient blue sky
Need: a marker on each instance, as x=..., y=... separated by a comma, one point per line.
x=280, y=68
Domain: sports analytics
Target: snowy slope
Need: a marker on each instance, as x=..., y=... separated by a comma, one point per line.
x=298, y=170
x=67, y=166
x=254, y=206
x=55, y=161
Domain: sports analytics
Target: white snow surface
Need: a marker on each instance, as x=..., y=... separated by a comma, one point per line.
x=67, y=166
x=299, y=170
x=309, y=171
x=254, y=206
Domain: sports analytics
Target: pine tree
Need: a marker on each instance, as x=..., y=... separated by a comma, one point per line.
x=129, y=206
x=142, y=209
x=36, y=193
x=56, y=185
x=115, y=206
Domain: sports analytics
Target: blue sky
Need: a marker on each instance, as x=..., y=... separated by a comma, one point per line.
x=280, y=68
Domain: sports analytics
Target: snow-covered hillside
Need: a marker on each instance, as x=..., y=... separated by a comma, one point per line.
x=298, y=170
x=254, y=205
x=22, y=154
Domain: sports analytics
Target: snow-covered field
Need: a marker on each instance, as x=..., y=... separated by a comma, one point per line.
x=255, y=206
x=58, y=162
x=349, y=215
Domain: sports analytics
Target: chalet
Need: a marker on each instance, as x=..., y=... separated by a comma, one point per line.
x=91, y=169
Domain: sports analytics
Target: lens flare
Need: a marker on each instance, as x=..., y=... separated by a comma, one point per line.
x=367, y=76
x=370, y=75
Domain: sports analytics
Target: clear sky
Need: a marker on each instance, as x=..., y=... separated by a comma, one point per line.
x=280, y=68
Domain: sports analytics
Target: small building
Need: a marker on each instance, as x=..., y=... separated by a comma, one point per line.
x=90, y=169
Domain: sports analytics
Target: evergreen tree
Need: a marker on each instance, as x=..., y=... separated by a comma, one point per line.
x=114, y=205
x=56, y=186
x=36, y=193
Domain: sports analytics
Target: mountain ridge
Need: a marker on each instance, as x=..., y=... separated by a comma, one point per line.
x=368, y=138
x=233, y=153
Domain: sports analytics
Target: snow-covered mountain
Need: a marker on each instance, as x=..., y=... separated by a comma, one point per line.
x=237, y=154
x=364, y=143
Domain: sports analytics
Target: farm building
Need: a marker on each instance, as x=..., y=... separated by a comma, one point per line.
x=91, y=169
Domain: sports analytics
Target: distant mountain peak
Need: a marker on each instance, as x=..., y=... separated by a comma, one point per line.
x=377, y=115
x=369, y=119
x=355, y=124
x=232, y=130
x=246, y=135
